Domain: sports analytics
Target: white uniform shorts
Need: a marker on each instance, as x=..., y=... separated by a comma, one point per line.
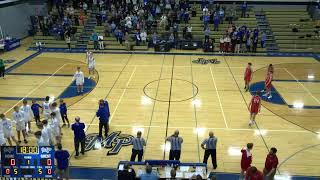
x=79, y=83
x=55, y=131
x=28, y=119
x=21, y=126
x=8, y=134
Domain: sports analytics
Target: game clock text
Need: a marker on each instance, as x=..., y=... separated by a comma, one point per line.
x=27, y=161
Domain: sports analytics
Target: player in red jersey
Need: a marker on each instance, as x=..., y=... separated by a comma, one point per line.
x=268, y=84
x=247, y=76
x=254, y=174
x=246, y=159
x=270, y=68
x=254, y=107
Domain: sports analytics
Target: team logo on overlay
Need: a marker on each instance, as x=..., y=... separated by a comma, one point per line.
x=115, y=141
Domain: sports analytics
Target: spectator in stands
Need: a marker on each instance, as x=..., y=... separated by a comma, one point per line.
x=227, y=41
x=221, y=41
x=206, y=19
x=94, y=38
x=137, y=38
x=127, y=173
x=101, y=43
x=175, y=30
x=62, y=157
x=207, y=33
x=254, y=44
x=149, y=175
x=254, y=174
x=186, y=17
x=154, y=38
x=244, y=8
x=205, y=11
x=216, y=22
x=126, y=41
x=248, y=44
x=143, y=37
x=68, y=41
x=237, y=47
x=271, y=164
x=107, y=30
x=263, y=39
x=79, y=136
x=85, y=7
x=211, y=4
x=120, y=36
x=2, y=68
x=189, y=32
x=81, y=19
x=221, y=15
x=194, y=10
x=99, y=19
x=103, y=114
x=113, y=27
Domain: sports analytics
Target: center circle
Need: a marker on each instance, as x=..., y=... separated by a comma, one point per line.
x=173, y=90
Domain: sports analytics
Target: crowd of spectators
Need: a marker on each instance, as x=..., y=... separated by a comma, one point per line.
x=140, y=22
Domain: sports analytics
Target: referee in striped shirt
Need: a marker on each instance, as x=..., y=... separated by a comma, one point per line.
x=138, y=144
x=176, y=142
x=209, y=145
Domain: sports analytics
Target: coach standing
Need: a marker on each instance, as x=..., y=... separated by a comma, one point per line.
x=79, y=135
x=175, y=150
x=209, y=145
x=271, y=164
x=137, y=149
x=2, y=68
x=103, y=114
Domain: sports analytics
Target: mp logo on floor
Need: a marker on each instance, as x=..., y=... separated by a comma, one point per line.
x=115, y=141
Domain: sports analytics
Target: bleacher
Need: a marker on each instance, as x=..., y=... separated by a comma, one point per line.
x=57, y=42
x=282, y=21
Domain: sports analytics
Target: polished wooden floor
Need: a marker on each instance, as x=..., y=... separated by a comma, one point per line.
x=158, y=94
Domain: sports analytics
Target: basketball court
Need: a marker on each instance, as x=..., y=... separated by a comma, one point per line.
x=157, y=94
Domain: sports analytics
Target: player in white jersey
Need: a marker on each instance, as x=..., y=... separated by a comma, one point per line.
x=20, y=124
x=40, y=140
x=55, y=127
x=91, y=66
x=56, y=109
x=27, y=114
x=79, y=78
x=2, y=140
x=7, y=129
x=88, y=54
x=46, y=133
x=46, y=108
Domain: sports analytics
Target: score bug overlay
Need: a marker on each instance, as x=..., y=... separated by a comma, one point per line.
x=27, y=161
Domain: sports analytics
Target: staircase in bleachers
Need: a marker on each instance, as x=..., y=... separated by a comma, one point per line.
x=87, y=31
x=262, y=22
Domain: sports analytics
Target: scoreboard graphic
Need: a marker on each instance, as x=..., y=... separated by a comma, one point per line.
x=27, y=161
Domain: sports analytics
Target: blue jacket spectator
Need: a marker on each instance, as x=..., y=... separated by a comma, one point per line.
x=216, y=22
x=62, y=157
x=78, y=130
x=244, y=9
x=79, y=135
x=103, y=112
